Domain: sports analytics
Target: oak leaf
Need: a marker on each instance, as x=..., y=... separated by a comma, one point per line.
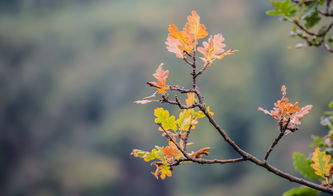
x=175, y=46
x=163, y=117
x=185, y=41
x=161, y=77
x=162, y=171
x=214, y=49
x=321, y=163
x=286, y=112
x=199, y=153
x=194, y=28
x=171, y=152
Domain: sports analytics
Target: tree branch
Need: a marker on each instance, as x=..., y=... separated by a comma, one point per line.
x=177, y=102
x=181, y=89
x=259, y=162
x=194, y=67
x=245, y=156
x=195, y=160
x=207, y=161
x=185, y=138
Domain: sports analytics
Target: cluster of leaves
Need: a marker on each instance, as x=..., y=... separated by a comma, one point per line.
x=176, y=130
x=311, y=18
x=184, y=45
x=318, y=165
x=288, y=115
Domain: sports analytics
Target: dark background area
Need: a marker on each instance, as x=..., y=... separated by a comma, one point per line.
x=71, y=69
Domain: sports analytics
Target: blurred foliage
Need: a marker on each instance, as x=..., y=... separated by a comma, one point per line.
x=319, y=166
x=311, y=19
x=70, y=71
x=301, y=191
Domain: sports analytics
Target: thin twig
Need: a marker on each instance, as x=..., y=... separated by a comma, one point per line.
x=181, y=89
x=194, y=67
x=208, y=161
x=328, y=4
x=283, y=129
x=276, y=141
x=177, y=102
x=322, y=34
x=187, y=134
x=201, y=70
x=325, y=13
x=187, y=61
x=305, y=30
x=305, y=1
x=328, y=47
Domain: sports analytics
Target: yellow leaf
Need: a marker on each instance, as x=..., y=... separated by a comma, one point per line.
x=184, y=120
x=162, y=170
x=163, y=117
x=190, y=99
x=321, y=163
x=165, y=171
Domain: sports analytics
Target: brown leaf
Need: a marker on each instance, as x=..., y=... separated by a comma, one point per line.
x=199, y=153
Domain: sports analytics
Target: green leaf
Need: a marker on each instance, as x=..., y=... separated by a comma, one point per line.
x=163, y=117
x=284, y=8
x=330, y=104
x=330, y=40
x=311, y=8
x=139, y=153
x=317, y=142
x=302, y=164
x=155, y=153
x=272, y=13
x=312, y=20
x=301, y=191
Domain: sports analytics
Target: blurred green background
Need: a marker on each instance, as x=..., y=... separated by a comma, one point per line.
x=71, y=69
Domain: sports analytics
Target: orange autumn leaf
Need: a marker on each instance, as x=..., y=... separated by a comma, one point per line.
x=179, y=42
x=161, y=76
x=285, y=111
x=190, y=99
x=214, y=49
x=171, y=151
x=194, y=28
x=175, y=33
